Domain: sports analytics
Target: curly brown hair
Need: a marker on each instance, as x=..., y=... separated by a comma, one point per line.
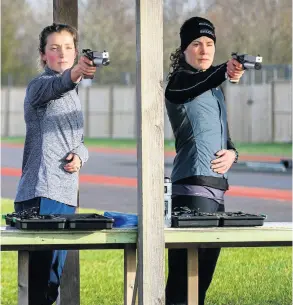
x=176, y=58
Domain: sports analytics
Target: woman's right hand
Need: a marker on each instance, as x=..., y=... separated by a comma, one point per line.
x=83, y=67
x=234, y=70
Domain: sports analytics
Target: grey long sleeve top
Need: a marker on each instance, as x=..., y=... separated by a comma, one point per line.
x=54, y=128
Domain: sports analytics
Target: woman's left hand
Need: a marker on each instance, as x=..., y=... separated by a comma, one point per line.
x=74, y=164
x=224, y=161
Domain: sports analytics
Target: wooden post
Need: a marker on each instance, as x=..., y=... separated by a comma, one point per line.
x=66, y=11
x=192, y=276
x=7, y=107
x=87, y=112
x=129, y=275
x=111, y=112
x=23, y=269
x=273, y=105
x=264, y=76
x=70, y=280
x=150, y=151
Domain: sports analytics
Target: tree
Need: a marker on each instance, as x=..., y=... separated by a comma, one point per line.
x=104, y=26
x=247, y=26
x=20, y=25
x=175, y=12
x=262, y=26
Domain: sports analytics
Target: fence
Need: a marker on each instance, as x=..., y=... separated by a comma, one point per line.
x=257, y=113
x=260, y=113
x=267, y=74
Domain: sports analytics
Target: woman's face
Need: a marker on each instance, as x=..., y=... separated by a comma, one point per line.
x=60, y=51
x=200, y=53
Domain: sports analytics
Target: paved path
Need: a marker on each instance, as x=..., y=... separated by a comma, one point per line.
x=108, y=182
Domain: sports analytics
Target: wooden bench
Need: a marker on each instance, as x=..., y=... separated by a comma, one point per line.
x=271, y=234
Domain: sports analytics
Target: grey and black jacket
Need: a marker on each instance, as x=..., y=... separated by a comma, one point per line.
x=197, y=113
x=54, y=128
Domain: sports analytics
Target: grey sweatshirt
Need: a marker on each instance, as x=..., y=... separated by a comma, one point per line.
x=54, y=128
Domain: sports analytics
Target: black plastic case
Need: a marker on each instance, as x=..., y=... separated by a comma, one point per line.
x=184, y=218
x=88, y=222
x=240, y=219
x=48, y=222
x=30, y=220
x=191, y=221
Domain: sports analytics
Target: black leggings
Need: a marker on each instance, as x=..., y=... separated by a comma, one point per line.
x=176, y=289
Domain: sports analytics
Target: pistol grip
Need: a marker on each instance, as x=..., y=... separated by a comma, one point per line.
x=88, y=77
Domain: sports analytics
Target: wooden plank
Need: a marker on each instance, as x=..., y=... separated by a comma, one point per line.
x=7, y=116
x=134, y=298
x=129, y=275
x=282, y=111
x=109, y=237
x=66, y=11
x=192, y=276
x=111, y=112
x=228, y=235
x=23, y=269
x=86, y=102
x=150, y=151
x=69, y=289
x=115, y=238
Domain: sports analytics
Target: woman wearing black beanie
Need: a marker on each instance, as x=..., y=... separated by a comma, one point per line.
x=204, y=151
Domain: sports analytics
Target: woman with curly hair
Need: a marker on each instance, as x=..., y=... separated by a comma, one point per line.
x=204, y=151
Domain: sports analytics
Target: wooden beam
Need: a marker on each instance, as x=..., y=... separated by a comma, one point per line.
x=129, y=274
x=66, y=11
x=274, y=234
x=70, y=280
x=192, y=276
x=23, y=269
x=150, y=151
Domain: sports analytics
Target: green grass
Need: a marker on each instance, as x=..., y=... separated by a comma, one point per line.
x=274, y=149
x=244, y=276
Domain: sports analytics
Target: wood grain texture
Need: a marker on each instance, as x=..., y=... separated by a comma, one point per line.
x=150, y=151
x=66, y=11
x=272, y=234
x=23, y=269
x=192, y=276
x=111, y=237
x=70, y=280
x=115, y=238
x=236, y=236
x=129, y=275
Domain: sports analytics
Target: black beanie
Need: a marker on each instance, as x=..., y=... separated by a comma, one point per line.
x=196, y=27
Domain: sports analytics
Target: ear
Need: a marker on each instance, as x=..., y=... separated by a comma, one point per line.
x=76, y=54
x=43, y=56
x=184, y=54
